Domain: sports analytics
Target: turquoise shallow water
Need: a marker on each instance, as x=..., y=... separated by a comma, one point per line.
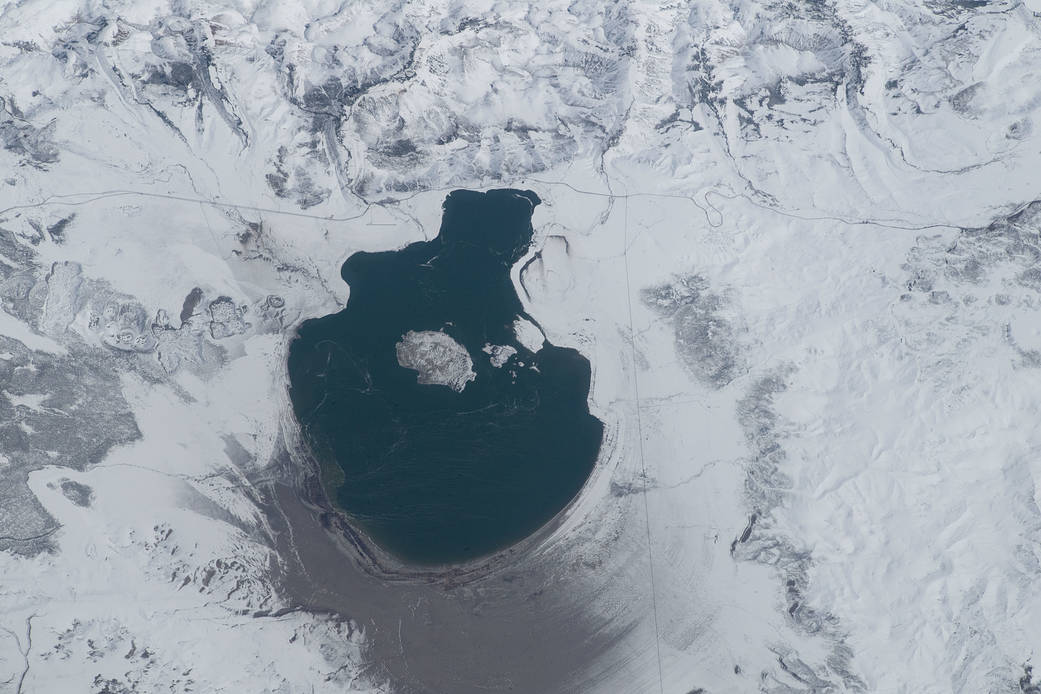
x=434, y=475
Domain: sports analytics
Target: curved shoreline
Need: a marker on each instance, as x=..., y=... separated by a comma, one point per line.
x=535, y=601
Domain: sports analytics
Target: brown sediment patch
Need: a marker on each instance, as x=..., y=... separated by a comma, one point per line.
x=540, y=617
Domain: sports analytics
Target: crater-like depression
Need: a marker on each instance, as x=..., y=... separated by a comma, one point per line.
x=443, y=430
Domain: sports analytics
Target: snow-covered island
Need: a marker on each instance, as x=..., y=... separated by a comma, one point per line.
x=440, y=360
x=499, y=354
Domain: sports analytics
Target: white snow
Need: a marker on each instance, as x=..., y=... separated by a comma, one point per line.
x=499, y=354
x=841, y=191
x=438, y=359
x=19, y=330
x=528, y=334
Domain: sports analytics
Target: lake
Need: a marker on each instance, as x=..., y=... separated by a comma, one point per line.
x=444, y=430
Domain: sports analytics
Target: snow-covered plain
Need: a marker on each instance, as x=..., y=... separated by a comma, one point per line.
x=799, y=244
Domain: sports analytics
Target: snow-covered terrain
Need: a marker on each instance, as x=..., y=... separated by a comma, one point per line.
x=800, y=245
x=437, y=358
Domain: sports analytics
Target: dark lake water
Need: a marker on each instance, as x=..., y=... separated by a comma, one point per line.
x=486, y=450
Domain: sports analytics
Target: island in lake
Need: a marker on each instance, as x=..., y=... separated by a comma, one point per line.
x=443, y=430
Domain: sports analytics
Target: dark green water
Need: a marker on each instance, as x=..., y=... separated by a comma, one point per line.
x=431, y=474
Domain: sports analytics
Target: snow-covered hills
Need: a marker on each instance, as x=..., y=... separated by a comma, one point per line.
x=798, y=242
